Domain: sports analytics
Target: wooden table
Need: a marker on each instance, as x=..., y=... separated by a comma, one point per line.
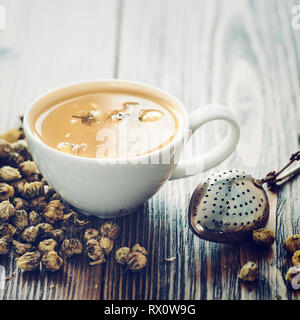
x=245, y=54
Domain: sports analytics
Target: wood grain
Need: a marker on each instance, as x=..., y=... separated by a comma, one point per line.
x=244, y=54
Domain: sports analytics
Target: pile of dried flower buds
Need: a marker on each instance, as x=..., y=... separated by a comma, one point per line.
x=263, y=237
x=35, y=223
x=99, y=244
x=266, y=237
x=292, y=246
x=135, y=259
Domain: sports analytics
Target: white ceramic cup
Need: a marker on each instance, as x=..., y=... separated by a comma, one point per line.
x=109, y=188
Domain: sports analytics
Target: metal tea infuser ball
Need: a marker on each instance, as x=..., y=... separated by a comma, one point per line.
x=230, y=204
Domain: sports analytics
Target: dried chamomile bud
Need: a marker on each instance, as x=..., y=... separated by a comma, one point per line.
x=82, y=223
x=28, y=168
x=45, y=230
x=71, y=246
x=8, y=238
x=21, y=147
x=34, y=178
x=106, y=244
x=90, y=234
x=8, y=174
x=249, y=272
x=95, y=252
x=34, y=218
x=71, y=221
x=48, y=191
x=122, y=255
x=292, y=243
x=30, y=234
x=54, y=211
x=4, y=246
x=18, y=186
x=20, y=204
x=58, y=235
x=21, y=248
x=6, y=191
x=296, y=258
x=20, y=220
x=136, y=261
x=5, y=149
x=6, y=229
x=14, y=159
x=38, y=204
x=52, y=261
x=7, y=210
x=32, y=189
x=263, y=237
x=138, y=248
x=110, y=230
x=293, y=276
x=29, y=261
x=12, y=135
x=47, y=245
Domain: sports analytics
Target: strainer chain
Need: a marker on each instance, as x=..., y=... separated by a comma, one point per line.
x=273, y=177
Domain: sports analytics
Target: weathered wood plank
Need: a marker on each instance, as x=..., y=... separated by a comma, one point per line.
x=230, y=53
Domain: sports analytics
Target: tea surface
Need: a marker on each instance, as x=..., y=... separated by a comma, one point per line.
x=107, y=125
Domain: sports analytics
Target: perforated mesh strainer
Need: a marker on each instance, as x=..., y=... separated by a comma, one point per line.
x=230, y=204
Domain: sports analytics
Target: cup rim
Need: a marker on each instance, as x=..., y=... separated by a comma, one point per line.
x=178, y=137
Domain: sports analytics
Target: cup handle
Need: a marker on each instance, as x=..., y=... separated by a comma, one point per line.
x=212, y=158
